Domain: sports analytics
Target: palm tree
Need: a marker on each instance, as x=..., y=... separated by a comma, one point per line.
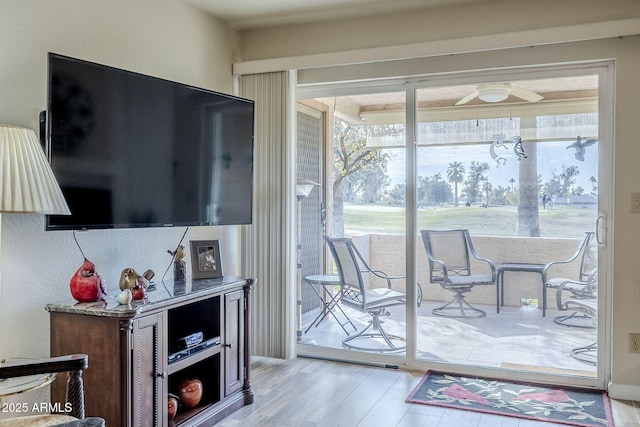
x=594, y=185
x=487, y=188
x=455, y=174
x=512, y=181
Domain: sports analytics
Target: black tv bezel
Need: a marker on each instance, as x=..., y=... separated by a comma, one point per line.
x=45, y=134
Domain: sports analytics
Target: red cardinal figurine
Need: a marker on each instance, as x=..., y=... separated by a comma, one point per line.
x=87, y=285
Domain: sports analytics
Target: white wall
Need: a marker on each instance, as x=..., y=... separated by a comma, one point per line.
x=164, y=38
x=447, y=31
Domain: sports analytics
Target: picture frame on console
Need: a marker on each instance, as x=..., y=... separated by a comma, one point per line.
x=205, y=259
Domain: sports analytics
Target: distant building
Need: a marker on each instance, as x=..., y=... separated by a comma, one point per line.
x=582, y=201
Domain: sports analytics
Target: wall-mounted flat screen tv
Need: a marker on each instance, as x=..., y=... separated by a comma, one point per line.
x=131, y=150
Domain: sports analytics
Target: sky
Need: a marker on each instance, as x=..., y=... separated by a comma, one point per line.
x=551, y=157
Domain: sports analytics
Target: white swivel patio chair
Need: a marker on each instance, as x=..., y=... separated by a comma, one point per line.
x=588, y=308
x=450, y=266
x=584, y=286
x=374, y=301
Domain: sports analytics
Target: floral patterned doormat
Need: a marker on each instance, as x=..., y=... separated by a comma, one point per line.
x=562, y=405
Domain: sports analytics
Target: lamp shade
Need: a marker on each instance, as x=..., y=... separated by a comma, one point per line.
x=27, y=183
x=304, y=187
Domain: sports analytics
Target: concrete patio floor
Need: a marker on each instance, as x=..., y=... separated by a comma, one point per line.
x=516, y=338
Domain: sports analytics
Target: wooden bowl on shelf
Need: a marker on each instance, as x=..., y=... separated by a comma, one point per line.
x=190, y=392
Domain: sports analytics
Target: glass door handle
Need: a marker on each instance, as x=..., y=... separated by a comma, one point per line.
x=601, y=220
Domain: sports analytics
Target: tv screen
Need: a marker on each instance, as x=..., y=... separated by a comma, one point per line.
x=131, y=150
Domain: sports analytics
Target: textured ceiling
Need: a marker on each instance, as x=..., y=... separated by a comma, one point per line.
x=246, y=14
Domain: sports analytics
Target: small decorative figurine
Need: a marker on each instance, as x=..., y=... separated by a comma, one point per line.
x=138, y=292
x=124, y=297
x=131, y=280
x=179, y=265
x=128, y=279
x=148, y=275
x=86, y=284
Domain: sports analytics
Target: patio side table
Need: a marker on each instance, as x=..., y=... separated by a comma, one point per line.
x=518, y=267
x=329, y=305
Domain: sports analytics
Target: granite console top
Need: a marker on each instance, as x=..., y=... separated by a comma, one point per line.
x=159, y=294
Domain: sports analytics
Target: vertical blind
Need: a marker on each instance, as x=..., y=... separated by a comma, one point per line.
x=269, y=244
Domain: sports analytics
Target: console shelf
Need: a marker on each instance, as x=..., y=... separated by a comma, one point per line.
x=187, y=361
x=140, y=353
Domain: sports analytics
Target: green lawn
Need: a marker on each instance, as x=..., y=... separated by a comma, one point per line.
x=562, y=221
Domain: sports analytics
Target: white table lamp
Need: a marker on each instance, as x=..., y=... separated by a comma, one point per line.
x=27, y=183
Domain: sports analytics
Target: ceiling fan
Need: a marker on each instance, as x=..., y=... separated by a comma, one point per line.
x=496, y=92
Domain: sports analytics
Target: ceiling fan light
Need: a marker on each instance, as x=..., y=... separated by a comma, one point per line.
x=493, y=94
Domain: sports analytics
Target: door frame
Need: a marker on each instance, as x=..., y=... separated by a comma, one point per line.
x=605, y=71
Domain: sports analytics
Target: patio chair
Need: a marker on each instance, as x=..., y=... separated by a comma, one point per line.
x=374, y=301
x=450, y=266
x=589, y=308
x=23, y=375
x=583, y=286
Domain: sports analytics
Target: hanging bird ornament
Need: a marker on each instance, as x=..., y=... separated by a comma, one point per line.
x=581, y=147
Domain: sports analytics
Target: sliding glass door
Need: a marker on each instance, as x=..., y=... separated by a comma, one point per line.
x=516, y=164
x=515, y=160
x=365, y=202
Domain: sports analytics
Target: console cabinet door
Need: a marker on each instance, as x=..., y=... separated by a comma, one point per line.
x=234, y=341
x=148, y=372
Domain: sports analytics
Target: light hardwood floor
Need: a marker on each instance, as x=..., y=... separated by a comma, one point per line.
x=307, y=393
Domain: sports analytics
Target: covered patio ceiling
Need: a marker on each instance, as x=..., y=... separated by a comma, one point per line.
x=554, y=92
